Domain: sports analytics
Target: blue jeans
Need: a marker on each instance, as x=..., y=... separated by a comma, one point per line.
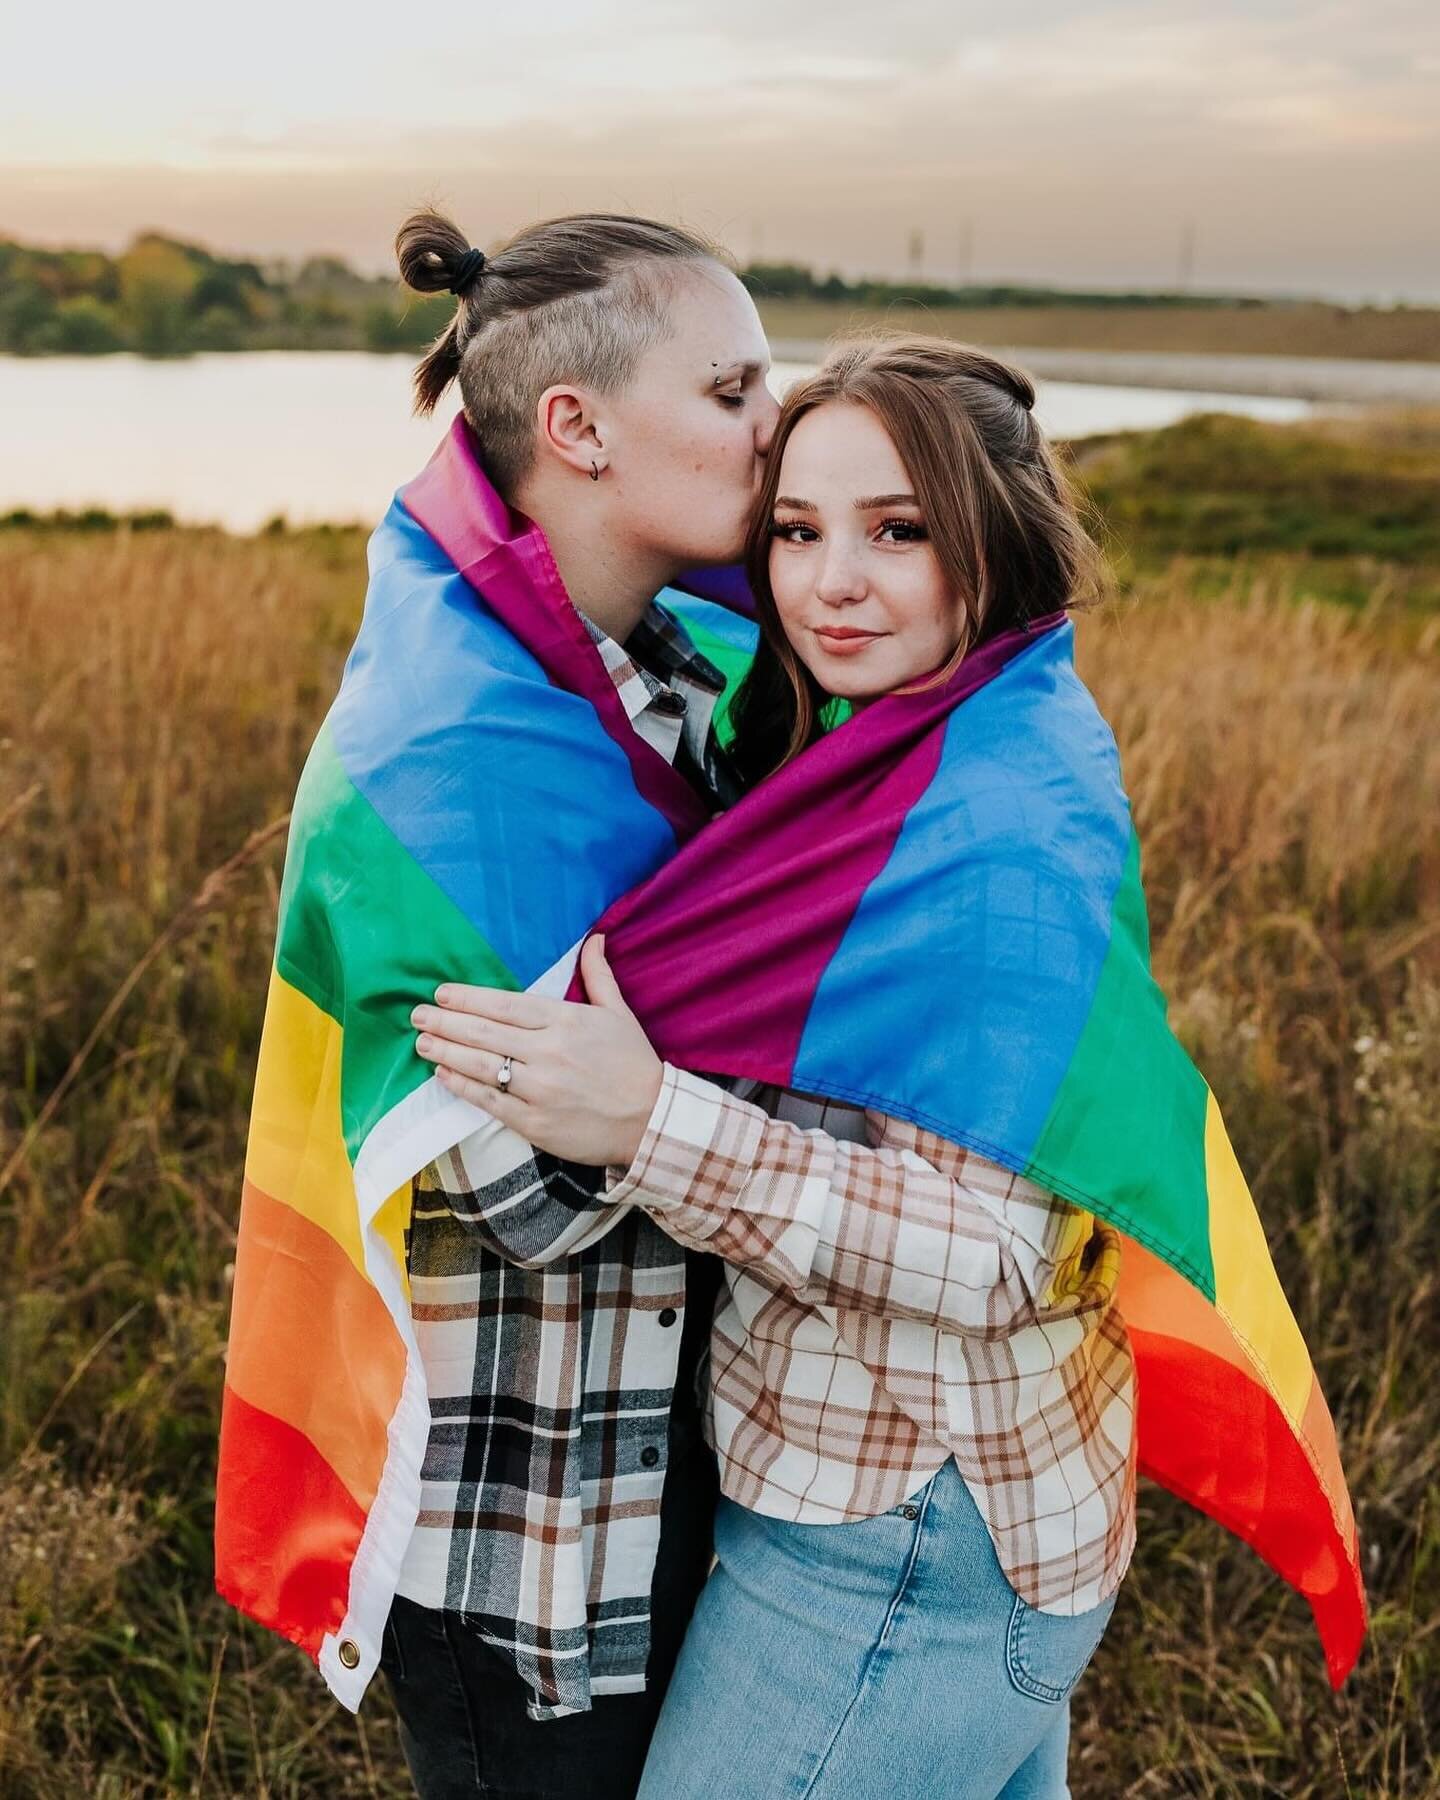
x=883, y=1656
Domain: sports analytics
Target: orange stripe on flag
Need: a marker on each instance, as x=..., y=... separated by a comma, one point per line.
x=1210, y=1431
x=298, y=1300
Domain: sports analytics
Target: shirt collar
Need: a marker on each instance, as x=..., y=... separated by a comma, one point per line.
x=656, y=663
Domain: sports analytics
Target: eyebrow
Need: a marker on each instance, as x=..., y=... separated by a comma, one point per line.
x=727, y=371
x=867, y=503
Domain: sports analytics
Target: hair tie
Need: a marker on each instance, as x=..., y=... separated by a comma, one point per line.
x=471, y=263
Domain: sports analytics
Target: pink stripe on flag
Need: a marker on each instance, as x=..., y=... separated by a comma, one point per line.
x=504, y=556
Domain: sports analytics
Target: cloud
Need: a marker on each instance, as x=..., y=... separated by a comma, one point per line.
x=1071, y=143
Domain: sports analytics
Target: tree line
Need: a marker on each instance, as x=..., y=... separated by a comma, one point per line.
x=162, y=297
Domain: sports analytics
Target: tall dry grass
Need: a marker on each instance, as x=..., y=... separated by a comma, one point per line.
x=157, y=694
x=1285, y=771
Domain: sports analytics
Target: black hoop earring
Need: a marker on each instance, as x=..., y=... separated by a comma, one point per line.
x=594, y=471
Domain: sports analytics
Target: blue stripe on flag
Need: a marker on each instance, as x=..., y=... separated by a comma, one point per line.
x=506, y=790
x=730, y=627
x=983, y=964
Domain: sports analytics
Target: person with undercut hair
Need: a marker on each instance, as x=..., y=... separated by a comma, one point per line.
x=541, y=1516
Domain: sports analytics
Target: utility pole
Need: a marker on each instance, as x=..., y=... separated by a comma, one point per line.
x=917, y=253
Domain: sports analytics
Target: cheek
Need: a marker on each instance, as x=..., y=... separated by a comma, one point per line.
x=701, y=454
x=727, y=439
x=787, y=584
x=928, y=614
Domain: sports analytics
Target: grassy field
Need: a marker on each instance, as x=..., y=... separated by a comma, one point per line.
x=1272, y=667
x=1306, y=329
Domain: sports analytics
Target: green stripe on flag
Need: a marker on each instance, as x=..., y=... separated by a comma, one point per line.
x=1128, y=1124
x=366, y=934
x=732, y=660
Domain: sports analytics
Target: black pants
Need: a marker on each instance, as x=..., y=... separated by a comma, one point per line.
x=463, y=1723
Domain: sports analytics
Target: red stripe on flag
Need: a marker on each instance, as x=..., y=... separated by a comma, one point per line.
x=1209, y=1432
x=286, y=1528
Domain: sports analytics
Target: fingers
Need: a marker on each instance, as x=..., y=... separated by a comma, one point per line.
x=478, y=1066
x=472, y=1030
x=601, y=987
x=529, y=1011
x=505, y=1107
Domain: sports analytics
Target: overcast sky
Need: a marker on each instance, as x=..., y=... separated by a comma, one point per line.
x=1045, y=141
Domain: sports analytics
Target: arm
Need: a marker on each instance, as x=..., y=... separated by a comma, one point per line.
x=907, y=1226
x=524, y=1204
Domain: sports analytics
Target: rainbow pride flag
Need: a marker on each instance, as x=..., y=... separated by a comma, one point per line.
x=474, y=800
x=935, y=911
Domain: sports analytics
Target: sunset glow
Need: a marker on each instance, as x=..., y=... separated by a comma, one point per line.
x=1262, y=145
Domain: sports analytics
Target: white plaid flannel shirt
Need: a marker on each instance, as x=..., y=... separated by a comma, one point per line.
x=893, y=1303
x=549, y=1328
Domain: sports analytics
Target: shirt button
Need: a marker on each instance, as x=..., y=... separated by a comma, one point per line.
x=349, y=1653
x=910, y=1512
x=649, y=1456
x=668, y=1315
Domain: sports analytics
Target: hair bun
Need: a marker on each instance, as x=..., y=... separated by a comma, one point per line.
x=431, y=251
x=468, y=272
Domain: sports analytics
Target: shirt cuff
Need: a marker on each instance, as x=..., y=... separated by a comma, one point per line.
x=700, y=1147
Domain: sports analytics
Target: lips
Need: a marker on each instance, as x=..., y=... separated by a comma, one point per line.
x=845, y=640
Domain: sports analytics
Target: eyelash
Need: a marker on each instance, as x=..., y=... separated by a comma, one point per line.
x=731, y=400
x=917, y=532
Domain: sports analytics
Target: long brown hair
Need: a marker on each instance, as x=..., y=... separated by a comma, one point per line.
x=997, y=507
x=573, y=299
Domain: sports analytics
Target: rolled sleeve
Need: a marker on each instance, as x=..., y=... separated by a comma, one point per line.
x=881, y=1228
x=698, y=1153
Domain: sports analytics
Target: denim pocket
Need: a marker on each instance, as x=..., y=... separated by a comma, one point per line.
x=1047, y=1653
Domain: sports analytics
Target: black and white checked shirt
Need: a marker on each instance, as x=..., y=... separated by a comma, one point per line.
x=550, y=1329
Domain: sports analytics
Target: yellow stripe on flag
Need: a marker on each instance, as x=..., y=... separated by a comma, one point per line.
x=391, y=1223
x=297, y=1141
x=1247, y=1291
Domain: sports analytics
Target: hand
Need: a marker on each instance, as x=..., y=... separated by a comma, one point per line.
x=583, y=1079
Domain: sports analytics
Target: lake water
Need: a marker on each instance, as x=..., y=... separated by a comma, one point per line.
x=236, y=439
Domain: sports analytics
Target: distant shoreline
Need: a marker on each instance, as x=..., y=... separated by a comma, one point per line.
x=1323, y=333
x=1329, y=381
x=1321, y=380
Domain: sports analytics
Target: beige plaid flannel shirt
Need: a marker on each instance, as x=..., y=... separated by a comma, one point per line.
x=894, y=1302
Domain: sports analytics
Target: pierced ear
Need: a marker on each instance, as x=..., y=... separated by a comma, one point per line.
x=568, y=428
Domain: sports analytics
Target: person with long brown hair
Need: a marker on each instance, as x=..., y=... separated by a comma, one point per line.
x=920, y=1390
